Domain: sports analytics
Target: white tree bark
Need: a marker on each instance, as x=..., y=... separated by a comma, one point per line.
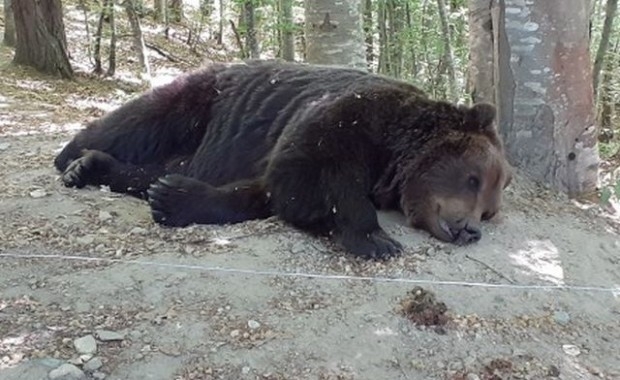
x=543, y=77
x=334, y=33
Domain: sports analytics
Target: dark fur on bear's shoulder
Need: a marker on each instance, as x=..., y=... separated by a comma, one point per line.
x=318, y=146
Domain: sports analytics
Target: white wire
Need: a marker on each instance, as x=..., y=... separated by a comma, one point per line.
x=615, y=291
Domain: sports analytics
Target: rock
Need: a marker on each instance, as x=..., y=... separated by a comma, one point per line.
x=138, y=231
x=85, y=345
x=66, y=372
x=235, y=333
x=99, y=375
x=38, y=193
x=253, y=325
x=93, y=364
x=85, y=240
x=561, y=318
x=472, y=376
x=571, y=349
x=4, y=146
x=104, y=216
x=109, y=336
x=245, y=370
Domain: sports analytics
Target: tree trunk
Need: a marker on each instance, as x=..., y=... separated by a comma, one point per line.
x=98, y=34
x=220, y=27
x=384, y=49
x=9, y=24
x=287, y=45
x=41, y=41
x=249, y=19
x=334, y=33
x=138, y=38
x=544, y=92
x=369, y=32
x=447, y=46
x=176, y=10
x=610, y=14
x=480, y=83
x=161, y=11
x=112, y=56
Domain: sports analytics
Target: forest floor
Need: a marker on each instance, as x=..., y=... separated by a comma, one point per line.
x=89, y=284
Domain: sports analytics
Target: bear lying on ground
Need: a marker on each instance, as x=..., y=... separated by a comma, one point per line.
x=320, y=147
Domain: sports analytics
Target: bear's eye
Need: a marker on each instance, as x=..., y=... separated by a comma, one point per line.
x=473, y=182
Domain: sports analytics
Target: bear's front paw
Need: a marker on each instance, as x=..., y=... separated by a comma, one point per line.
x=375, y=245
x=175, y=200
x=88, y=169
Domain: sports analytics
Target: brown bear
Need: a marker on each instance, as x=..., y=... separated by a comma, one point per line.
x=321, y=147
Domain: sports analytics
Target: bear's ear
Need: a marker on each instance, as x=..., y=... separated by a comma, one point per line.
x=480, y=117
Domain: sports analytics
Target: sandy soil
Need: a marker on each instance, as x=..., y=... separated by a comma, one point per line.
x=158, y=307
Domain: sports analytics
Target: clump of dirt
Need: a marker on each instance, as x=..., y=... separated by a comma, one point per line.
x=422, y=308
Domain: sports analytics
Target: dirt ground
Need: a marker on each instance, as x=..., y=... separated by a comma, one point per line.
x=118, y=297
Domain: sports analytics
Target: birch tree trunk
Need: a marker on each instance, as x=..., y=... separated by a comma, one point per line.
x=544, y=93
x=138, y=38
x=334, y=33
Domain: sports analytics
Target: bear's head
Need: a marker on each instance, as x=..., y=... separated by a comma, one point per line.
x=457, y=178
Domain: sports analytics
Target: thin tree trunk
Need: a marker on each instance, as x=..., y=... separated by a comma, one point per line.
x=610, y=15
x=287, y=44
x=220, y=29
x=161, y=11
x=384, y=48
x=334, y=33
x=369, y=32
x=448, y=55
x=41, y=41
x=9, y=24
x=98, y=34
x=138, y=38
x=176, y=10
x=112, y=56
x=250, y=31
x=86, y=26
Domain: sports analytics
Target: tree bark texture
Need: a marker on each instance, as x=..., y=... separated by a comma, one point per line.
x=138, y=38
x=40, y=37
x=249, y=19
x=544, y=91
x=480, y=71
x=610, y=15
x=287, y=43
x=334, y=33
x=447, y=45
x=9, y=24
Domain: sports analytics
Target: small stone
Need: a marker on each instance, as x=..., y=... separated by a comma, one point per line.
x=245, y=370
x=66, y=372
x=99, y=375
x=4, y=146
x=85, y=345
x=109, y=336
x=253, y=325
x=235, y=333
x=93, y=364
x=561, y=318
x=86, y=357
x=571, y=349
x=104, y=216
x=38, y=193
x=85, y=240
x=138, y=231
x=472, y=376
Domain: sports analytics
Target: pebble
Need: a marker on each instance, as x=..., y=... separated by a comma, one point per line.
x=253, y=325
x=66, y=372
x=245, y=370
x=85, y=240
x=104, y=216
x=108, y=336
x=99, y=375
x=571, y=349
x=93, y=364
x=4, y=146
x=472, y=376
x=235, y=333
x=38, y=193
x=138, y=231
x=85, y=345
x=561, y=318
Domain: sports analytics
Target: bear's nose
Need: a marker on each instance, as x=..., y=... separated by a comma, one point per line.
x=473, y=234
